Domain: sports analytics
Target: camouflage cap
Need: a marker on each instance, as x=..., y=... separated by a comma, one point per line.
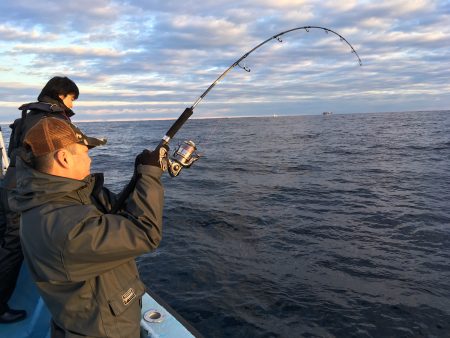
x=51, y=134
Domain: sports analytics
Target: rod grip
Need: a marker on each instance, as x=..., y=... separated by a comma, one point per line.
x=179, y=122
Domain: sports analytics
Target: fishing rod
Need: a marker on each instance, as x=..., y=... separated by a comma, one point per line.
x=185, y=155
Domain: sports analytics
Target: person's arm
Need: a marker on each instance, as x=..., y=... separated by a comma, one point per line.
x=103, y=241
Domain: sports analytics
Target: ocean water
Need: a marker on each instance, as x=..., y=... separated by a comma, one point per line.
x=308, y=226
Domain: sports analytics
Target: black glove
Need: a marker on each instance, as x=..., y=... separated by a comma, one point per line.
x=157, y=157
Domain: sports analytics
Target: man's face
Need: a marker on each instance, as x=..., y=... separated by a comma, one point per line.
x=68, y=100
x=82, y=162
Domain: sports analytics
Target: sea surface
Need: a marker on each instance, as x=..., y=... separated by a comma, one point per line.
x=306, y=226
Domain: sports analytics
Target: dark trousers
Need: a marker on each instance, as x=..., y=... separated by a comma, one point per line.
x=11, y=256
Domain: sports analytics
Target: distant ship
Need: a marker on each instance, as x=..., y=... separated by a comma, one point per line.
x=327, y=113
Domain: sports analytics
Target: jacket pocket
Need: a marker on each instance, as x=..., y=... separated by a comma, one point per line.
x=124, y=299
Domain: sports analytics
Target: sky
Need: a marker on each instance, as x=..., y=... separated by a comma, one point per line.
x=143, y=59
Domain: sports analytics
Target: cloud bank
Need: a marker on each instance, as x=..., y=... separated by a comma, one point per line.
x=151, y=59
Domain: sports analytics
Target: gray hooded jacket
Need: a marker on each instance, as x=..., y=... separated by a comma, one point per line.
x=82, y=257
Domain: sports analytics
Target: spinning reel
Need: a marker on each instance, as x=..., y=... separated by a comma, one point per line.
x=183, y=157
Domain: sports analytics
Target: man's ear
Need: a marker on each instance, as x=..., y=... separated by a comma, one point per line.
x=63, y=158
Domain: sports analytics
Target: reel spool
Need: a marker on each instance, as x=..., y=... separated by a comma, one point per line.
x=183, y=157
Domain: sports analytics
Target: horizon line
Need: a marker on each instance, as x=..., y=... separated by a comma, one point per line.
x=237, y=116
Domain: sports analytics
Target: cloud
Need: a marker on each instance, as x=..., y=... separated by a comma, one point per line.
x=61, y=17
x=10, y=33
x=402, y=8
x=70, y=51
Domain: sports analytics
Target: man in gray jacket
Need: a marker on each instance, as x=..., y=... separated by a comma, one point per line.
x=80, y=255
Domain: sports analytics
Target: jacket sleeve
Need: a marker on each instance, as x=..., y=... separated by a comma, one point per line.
x=14, y=138
x=101, y=242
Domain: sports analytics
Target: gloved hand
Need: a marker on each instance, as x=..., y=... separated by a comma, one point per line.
x=157, y=157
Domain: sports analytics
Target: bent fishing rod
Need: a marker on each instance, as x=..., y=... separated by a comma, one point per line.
x=185, y=155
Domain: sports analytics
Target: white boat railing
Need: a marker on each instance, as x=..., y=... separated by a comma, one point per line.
x=5, y=160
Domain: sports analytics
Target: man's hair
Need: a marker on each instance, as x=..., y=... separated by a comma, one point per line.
x=59, y=85
x=44, y=163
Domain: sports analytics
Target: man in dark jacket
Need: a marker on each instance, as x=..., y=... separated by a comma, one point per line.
x=56, y=100
x=81, y=256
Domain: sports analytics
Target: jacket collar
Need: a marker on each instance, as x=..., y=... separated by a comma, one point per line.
x=48, y=105
x=35, y=188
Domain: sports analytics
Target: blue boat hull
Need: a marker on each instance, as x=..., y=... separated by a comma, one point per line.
x=158, y=319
